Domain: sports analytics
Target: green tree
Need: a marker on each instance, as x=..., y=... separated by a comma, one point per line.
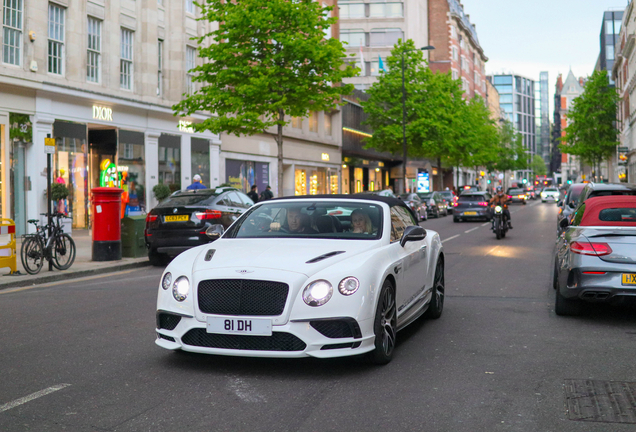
x=538, y=166
x=431, y=101
x=511, y=154
x=592, y=133
x=266, y=62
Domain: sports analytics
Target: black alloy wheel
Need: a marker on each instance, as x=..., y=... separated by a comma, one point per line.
x=436, y=306
x=385, y=326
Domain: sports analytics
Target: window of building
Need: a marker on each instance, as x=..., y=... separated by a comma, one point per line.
x=190, y=6
x=328, y=124
x=313, y=121
x=617, y=26
x=132, y=158
x=159, y=67
x=455, y=74
x=352, y=10
x=453, y=32
x=200, y=159
x=477, y=78
x=502, y=80
x=386, y=10
x=297, y=122
x=56, y=39
x=93, y=55
x=504, y=89
x=126, y=62
x=455, y=53
x=169, y=147
x=505, y=107
x=160, y=2
x=465, y=85
x=385, y=37
x=12, y=32
x=462, y=44
x=505, y=98
x=609, y=28
x=353, y=37
x=190, y=64
x=609, y=52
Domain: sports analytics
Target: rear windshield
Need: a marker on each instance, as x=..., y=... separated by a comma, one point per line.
x=447, y=194
x=425, y=195
x=515, y=191
x=188, y=199
x=466, y=198
x=618, y=215
x=551, y=190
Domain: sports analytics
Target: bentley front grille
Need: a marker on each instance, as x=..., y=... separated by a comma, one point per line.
x=242, y=297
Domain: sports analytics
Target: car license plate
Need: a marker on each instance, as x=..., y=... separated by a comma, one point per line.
x=244, y=326
x=629, y=278
x=470, y=213
x=177, y=218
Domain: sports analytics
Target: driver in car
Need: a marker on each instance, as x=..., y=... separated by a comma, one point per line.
x=297, y=223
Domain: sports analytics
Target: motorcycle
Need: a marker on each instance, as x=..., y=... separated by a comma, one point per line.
x=499, y=225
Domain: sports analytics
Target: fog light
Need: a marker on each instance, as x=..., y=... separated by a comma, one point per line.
x=348, y=285
x=166, y=281
x=181, y=288
x=317, y=293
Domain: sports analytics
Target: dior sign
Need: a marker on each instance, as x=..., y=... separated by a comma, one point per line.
x=102, y=113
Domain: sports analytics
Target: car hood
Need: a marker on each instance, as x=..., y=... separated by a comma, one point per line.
x=291, y=255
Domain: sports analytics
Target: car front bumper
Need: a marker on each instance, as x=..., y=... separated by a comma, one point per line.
x=298, y=339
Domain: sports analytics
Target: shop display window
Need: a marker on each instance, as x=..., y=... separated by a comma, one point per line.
x=200, y=160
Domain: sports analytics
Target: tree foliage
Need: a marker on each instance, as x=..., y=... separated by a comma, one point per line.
x=592, y=133
x=538, y=166
x=266, y=62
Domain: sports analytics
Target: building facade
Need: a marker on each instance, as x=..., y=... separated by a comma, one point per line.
x=517, y=102
x=369, y=29
x=609, y=40
x=457, y=48
x=571, y=168
x=624, y=74
x=542, y=118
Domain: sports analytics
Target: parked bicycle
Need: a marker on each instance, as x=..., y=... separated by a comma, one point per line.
x=58, y=248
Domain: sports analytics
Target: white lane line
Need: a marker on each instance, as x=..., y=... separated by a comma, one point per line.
x=450, y=238
x=485, y=224
x=32, y=396
x=472, y=229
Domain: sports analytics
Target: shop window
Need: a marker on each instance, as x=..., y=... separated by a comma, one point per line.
x=300, y=180
x=12, y=32
x=243, y=174
x=70, y=167
x=93, y=55
x=200, y=159
x=131, y=166
x=56, y=39
x=358, y=176
x=126, y=61
x=170, y=161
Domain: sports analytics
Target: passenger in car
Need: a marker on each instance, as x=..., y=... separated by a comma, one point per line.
x=361, y=222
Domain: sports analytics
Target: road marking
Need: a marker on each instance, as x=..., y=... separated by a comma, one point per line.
x=485, y=224
x=32, y=396
x=450, y=238
x=472, y=229
x=67, y=281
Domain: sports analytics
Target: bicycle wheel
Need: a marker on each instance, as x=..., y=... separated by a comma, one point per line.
x=32, y=255
x=63, y=251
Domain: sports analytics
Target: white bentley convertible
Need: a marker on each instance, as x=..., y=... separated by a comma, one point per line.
x=322, y=276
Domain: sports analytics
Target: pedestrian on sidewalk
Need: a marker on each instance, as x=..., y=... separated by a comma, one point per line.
x=267, y=194
x=196, y=183
x=253, y=194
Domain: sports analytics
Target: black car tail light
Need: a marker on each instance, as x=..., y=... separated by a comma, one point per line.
x=208, y=214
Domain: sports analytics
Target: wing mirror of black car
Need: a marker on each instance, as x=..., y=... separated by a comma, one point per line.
x=412, y=233
x=564, y=223
x=215, y=231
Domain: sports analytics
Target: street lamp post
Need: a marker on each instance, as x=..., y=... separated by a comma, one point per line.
x=404, y=147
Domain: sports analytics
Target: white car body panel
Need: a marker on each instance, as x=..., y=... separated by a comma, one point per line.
x=412, y=267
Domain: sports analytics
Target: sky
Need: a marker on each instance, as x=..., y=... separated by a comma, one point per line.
x=530, y=36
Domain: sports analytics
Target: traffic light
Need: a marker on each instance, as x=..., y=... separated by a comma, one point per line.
x=569, y=182
x=525, y=181
x=489, y=181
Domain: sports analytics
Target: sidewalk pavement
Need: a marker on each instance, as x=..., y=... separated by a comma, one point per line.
x=82, y=266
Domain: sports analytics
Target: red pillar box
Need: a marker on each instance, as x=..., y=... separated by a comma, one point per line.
x=106, y=215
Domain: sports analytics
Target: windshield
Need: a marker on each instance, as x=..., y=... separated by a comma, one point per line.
x=447, y=195
x=425, y=195
x=515, y=191
x=347, y=220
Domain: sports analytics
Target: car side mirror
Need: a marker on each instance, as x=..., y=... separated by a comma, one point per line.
x=214, y=232
x=412, y=233
x=564, y=223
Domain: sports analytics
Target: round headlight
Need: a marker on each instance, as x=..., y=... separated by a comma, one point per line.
x=317, y=293
x=348, y=285
x=166, y=281
x=498, y=209
x=181, y=288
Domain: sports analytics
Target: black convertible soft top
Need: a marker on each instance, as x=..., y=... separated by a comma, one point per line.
x=392, y=202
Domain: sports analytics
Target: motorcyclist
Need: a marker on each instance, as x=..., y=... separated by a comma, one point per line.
x=501, y=199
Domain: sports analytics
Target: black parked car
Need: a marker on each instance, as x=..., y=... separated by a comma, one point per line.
x=569, y=204
x=605, y=189
x=416, y=204
x=471, y=206
x=180, y=221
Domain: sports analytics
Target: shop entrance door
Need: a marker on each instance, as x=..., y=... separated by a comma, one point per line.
x=102, y=158
x=18, y=181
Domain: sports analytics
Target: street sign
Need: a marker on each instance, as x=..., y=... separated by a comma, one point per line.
x=49, y=145
x=623, y=149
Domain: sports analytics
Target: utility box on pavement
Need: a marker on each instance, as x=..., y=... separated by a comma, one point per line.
x=133, y=243
x=106, y=218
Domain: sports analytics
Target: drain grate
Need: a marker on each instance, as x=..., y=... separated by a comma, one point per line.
x=600, y=401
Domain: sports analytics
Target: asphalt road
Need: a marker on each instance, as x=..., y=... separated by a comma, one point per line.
x=80, y=356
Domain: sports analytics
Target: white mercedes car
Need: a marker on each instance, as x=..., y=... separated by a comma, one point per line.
x=294, y=278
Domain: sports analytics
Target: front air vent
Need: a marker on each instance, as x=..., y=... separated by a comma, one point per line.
x=209, y=254
x=324, y=256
